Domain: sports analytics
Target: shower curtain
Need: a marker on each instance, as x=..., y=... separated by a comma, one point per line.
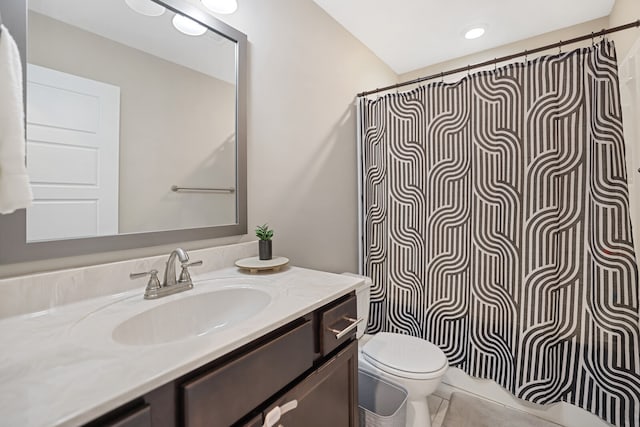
x=496, y=225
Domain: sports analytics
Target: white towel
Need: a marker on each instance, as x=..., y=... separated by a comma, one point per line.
x=15, y=191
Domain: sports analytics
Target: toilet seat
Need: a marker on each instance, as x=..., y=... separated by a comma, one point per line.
x=405, y=356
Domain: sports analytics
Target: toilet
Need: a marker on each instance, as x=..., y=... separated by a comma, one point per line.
x=412, y=363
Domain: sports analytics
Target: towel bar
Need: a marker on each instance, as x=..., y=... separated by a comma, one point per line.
x=177, y=189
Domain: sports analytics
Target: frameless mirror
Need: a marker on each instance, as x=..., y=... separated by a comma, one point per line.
x=135, y=128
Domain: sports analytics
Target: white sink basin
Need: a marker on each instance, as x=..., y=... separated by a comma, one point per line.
x=191, y=316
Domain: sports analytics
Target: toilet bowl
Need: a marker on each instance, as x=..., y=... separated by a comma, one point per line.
x=412, y=363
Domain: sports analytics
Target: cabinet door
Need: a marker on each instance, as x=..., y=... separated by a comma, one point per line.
x=253, y=422
x=138, y=416
x=327, y=397
x=223, y=396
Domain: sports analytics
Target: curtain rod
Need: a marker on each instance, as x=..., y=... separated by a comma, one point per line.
x=524, y=53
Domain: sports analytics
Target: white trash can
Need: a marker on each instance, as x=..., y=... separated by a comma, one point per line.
x=381, y=404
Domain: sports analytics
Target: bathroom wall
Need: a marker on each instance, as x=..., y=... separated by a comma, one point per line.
x=625, y=11
x=304, y=72
x=628, y=48
x=154, y=93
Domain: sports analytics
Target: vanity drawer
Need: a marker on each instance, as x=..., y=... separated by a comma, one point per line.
x=226, y=394
x=337, y=318
x=129, y=416
x=138, y=418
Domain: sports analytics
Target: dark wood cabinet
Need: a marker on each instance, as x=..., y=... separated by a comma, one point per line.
x=336, y=317
x=138, y=418
x=226, y=394
x=255, y=421
x=326, y=397
x=134, y=414
x=302, y=361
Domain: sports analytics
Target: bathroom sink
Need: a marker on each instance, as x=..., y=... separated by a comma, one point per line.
x=191, y=316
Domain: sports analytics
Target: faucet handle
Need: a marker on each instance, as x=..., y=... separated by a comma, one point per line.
x=191, y=264
x=154, y=283
x=184, y=274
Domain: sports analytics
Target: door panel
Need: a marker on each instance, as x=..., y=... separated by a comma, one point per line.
x=82, y=164
x=52, y=219
x=73, y=127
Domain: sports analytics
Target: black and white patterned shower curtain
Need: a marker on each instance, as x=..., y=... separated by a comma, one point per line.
x=496, y=225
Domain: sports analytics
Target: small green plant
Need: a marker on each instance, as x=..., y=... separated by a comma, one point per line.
x=263, y=232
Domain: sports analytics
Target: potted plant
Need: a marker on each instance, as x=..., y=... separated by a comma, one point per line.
x=264, y=244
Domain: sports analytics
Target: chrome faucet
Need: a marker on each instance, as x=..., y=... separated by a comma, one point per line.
x=170, y=285
x=170, y=269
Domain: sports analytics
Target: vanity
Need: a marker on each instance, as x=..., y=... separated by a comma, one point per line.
x=270, y=357
x=296, y=375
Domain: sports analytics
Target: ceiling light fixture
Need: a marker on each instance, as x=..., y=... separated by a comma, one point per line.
x=474, y=33
x=188, y=26
x=221, y=6
x=146, y=7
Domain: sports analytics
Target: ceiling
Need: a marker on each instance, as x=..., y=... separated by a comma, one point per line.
x=412, y=34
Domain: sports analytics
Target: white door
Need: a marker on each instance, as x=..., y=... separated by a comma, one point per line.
x=73, y=127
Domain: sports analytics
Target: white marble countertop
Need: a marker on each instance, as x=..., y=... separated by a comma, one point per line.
x=61, y=367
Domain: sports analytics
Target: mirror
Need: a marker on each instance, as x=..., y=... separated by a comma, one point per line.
x=135, y=130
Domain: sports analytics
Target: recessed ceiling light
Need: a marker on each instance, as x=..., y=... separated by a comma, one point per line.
x=221, y=6
x=474, y=33
x=188, y=26
x=146, y=7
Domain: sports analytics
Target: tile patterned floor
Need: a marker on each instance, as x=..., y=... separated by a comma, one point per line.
x=438, y=406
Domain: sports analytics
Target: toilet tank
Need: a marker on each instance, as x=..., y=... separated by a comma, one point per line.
x=363, y=293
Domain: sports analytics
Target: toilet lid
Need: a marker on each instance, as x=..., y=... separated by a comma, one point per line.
x=404, y=355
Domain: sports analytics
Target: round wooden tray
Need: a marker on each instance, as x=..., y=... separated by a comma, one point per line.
x=254, y=264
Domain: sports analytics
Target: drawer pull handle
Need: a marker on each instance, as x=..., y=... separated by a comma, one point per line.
x=273, y=416
x=354, y=324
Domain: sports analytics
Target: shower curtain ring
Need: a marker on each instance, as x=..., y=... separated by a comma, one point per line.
x=442, y=77
x=495, y=64
x=468, y=70
x=593, y=41
x=525, y=56
x=560, y=47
